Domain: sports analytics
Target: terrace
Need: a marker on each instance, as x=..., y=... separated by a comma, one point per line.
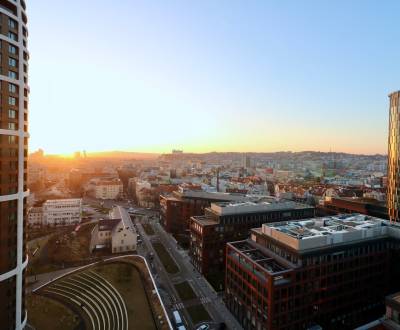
x=258, y=257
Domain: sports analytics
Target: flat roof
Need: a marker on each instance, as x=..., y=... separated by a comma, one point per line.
x=327, y=231
x=204, y=220
x=265, y=204
x=257, y=255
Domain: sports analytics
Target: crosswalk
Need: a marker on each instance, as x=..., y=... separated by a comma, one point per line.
x=178, y=306
x=205, y=300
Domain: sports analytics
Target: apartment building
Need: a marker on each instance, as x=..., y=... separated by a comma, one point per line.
x=108, y=189
x=14, y=138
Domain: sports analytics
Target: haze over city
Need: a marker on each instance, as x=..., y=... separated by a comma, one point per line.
x=212, y=76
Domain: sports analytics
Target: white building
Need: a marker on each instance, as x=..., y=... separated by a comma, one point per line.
x=108, y=189
x=62, y=212
x=35, y=217
x=116, y=233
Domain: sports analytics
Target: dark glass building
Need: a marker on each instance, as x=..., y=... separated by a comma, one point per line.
x=393, y=184
x=14, y=92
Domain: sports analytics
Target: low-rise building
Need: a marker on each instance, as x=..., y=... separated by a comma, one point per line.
x=62, y=212
x=35, y=217
x=117, y=233
x=108, y=189
x=368, y=206
x=333, y=272
x=231, y=221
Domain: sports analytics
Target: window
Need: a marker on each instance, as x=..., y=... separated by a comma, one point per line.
x=11, y=126
x=12, y=75
x=11, y=114
x=12, y=88
x=12, y=24
x=12, y=100
x=12, y=49
x=12, y=62
x=12, y=36
x=12, y=139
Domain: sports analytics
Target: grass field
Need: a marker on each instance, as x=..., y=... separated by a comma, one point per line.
x=61, y=250
x=126, y=279
x=46, y=313
x=166, y=259
x=185, y=291
x=198, y=314
x=148, y=229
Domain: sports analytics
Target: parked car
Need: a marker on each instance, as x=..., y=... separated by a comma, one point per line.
x=203, y=327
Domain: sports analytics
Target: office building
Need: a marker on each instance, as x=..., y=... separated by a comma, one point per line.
x=62, y=212
x=231, y=221
x=332, y=272
x=368, y=206
x=13, y=159
x=393, y=176
x=177, y=208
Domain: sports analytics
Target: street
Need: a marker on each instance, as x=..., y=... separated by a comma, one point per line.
x=206, y=294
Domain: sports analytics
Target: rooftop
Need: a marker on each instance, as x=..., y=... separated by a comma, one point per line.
x=263, y=204
x=118, y=212
x=204, y=220
x=328, y=231
x=256, y=253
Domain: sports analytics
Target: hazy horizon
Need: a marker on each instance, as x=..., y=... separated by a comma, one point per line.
x=91, y=153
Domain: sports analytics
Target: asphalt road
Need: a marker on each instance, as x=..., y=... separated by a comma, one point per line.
x=207, y=295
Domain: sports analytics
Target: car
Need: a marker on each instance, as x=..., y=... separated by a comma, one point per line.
x=203, y=327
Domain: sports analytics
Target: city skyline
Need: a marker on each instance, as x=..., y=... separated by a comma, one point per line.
x=212, y=76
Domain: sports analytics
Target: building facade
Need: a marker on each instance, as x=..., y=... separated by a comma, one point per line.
x=13, y=160
x=116, y=233
x=231, y=221
x=62, y=212
x=35, y=217
x=393, y=177
x=109, y=189
x=177, y=208
x=332, y=272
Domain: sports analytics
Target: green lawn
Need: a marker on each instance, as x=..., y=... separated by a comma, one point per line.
x=46, y=313
x=185, y=291
x=126, y=279
x=148, y=229
x=166, y=259
x=198, y=314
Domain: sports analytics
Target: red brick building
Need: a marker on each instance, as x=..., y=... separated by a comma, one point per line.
x=331, y=272
x=232, y=221
x=177, y=208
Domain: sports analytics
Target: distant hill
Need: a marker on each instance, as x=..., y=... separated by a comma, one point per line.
x=122, y=154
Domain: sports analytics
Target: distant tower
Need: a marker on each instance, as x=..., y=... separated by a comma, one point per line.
x=246, y=161
x=393, y=174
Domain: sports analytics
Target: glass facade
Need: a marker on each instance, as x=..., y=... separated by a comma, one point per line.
x=393, y=187
x=14, y=101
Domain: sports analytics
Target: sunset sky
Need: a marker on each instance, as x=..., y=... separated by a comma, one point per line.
x=212, y=75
